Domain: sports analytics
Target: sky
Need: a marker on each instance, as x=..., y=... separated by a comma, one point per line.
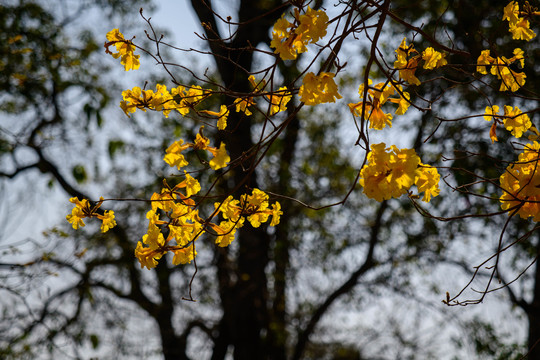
x=179, y=18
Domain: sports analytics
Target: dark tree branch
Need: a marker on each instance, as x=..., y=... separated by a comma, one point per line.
x=19, y=170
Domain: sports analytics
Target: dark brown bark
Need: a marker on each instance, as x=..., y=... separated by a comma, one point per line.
x=277, y=332
x=173, y=348
x=245, y=299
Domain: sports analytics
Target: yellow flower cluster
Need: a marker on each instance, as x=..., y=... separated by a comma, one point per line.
x=290, y=39
x=513, y=119
x=185, y=226
x=521, y=184
x=377, y=96
x=390, y=173
x=183, y=222
x=83, y=209
x=408, y=59
x=254, y=207
x=125, y=50
x=277, y=100
x=174, y=156
x=517, y=25
x=179, y=99
x=500, y=67
x=318, y=89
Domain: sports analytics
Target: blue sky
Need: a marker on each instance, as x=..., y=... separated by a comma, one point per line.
x=178, y=17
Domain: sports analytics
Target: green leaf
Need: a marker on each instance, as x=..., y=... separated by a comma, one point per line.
x=114, y=146
x=94, y=340
x=99, y=119
x=79, y=173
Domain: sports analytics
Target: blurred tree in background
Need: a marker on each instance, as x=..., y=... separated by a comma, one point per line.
x=353, y=281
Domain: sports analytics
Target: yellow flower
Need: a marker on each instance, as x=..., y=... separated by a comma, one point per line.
x=493, y=132
x=490, y=111
x=183, y=211
x=318, y=89
x=201, y=142
x=221, y=158
x=433, y=59
x=403, y=102
x=174, y=156
x=402, y=53
x=519, y=27
x=515, y=121
x=377, y=97
x=519, y=55
x=178, y=101
x=83, y=209
x=500, y=67
x=162, y=100
x=146, y=256
x=153, y=238
x=521, y=184
x=242, y=105
x=276, y=213
x=511, y=80
x=184, y=255
x=141, y=99
x=125, y=50
x=222, y=116
x=257, y=198
x=378, y=119
x=279, y=100
x=407, y=63
x=289, y=41
x=535, y=134
x=312, y=24
x=131, y=100
x=389, y=172
x=255, y=207
x=258, y=218
x=427, y=181
x=164, y=201
x=483, y=60
x=521, y=31
x=108, y=220
x=230, y=208
x=225, y=231
x=280, y=39
x=194, y=95
x=190, y=183
x=511, y=12
x=404, y=163
x=76, y=217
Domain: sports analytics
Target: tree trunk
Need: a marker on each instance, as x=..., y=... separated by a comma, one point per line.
x=173, y=347
x=245, y=295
